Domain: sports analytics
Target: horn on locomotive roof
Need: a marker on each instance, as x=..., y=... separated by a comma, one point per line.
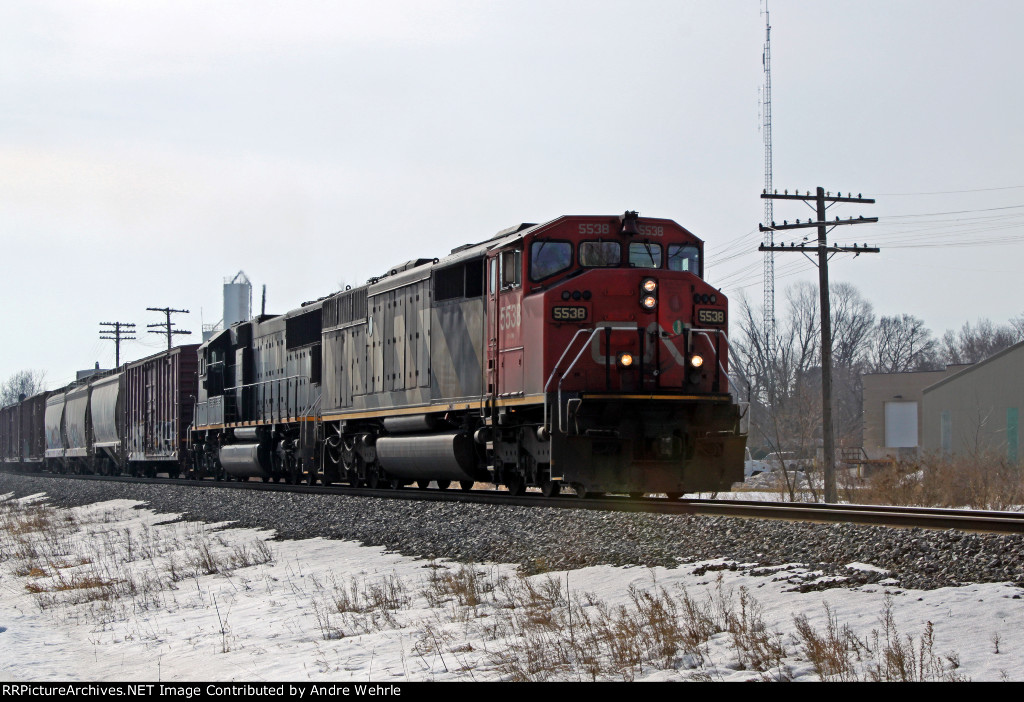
x=630, y=225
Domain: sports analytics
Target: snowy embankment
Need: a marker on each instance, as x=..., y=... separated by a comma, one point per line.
x=112, y=591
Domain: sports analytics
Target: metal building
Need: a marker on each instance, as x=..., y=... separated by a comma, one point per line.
x=893, y=418
x=976, y=411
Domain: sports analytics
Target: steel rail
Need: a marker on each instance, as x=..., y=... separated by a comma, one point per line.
x=880, y=515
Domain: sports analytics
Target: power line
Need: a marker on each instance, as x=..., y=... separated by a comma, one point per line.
x=117, y=335
x=954, y=192
x=934, y=214
x=168, y=327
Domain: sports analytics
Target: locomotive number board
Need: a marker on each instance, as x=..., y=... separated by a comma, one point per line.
x=709, y=316
x=569, y=313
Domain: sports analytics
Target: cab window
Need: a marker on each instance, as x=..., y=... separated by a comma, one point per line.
x=511, y=267
x=600, y=254
x=548, y=258
x=683, y=257
x=644, y=255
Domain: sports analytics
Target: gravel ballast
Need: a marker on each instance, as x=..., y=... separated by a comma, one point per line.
x=542, y=539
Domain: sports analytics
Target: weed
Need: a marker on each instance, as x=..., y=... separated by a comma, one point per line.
x=985, y=481
x=888, y=657
x=836, y=653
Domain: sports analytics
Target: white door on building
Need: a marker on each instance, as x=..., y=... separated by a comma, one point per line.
x=901, y=424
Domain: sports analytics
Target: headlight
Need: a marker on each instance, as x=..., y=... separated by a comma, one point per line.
x=625, y=359
x=649, y=285
x=649, y=302
x=696, y=360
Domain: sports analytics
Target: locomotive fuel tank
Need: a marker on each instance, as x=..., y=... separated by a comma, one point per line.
x=446, y=456
x=246, y=460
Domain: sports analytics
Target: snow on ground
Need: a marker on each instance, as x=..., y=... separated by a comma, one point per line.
x=115, y=592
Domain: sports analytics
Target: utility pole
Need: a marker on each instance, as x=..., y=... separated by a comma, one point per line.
x=825, y=252
x=167, y=327
x=117, y=336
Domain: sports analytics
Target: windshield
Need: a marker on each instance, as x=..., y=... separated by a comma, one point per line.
x=645, y=255
x=548, y=258
x=683, y=257
x=600, y=254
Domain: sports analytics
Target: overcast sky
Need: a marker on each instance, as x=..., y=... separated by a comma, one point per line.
x=148, y=150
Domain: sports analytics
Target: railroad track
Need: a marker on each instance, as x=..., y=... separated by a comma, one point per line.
x=907, y=517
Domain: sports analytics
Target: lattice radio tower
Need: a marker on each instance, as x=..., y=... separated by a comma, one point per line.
x=769, y=236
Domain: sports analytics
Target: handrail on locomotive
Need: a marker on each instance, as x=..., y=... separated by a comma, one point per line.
x=607, y=329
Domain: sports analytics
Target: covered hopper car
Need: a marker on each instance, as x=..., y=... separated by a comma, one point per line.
x=132, y=420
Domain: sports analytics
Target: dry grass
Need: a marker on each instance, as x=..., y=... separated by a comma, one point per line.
x=358, y=605
x=466, y=587
x=885, y=656
x=984, y=482
x=70, y=562
x=551, y=636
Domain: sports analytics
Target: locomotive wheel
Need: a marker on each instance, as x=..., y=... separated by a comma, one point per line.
x=395, y=484
x=422, y=484
x=673, y=495
x=311, y=476
x=266, y=478
x=375, y=481
x=636, y=495
x=581, y=491
x=516, y=486
x=551, y=488
x=443, y=484
x=465, y=485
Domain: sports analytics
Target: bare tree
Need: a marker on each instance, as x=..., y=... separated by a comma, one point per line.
x=22, y=384
x=1018, y=326
x=973, y=344
x=903, y=343
x=785, y=381
x=853, y=321
x=853, y=324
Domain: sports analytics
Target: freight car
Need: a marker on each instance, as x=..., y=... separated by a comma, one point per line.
x=133, y=420
x=587, y=351
x=22, y=435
